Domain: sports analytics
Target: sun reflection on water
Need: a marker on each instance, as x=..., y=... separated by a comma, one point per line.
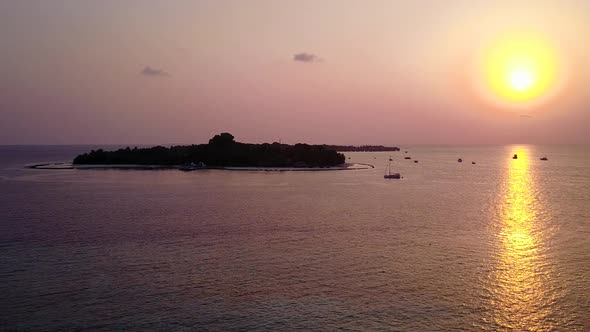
x=522, y=288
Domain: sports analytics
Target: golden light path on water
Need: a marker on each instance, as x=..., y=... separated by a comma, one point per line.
x=522, y=286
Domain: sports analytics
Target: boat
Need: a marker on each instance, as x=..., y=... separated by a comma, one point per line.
x=408, y=158
x=459, y=160
x=388, y=174
x=192, y=166
x=415, y=161
x=515, y=156
x=544, y=158
x=473, y=163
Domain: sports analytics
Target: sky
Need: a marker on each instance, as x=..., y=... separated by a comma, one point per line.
x=317, y=71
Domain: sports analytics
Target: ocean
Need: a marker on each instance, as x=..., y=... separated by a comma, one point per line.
x=503, y=244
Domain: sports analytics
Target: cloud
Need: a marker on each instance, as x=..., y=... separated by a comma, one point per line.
x=526, y=116
x=153, y=72
x=306, y=57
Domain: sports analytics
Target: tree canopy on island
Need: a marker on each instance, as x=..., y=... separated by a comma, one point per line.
x=221, y=151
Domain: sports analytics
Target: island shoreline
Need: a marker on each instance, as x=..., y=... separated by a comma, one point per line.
x=66, y=166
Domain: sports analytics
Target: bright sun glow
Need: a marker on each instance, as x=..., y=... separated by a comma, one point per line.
x=521, y=80
x=520, y=69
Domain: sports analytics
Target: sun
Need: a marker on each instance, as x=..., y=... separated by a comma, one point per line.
x=521, y=79
x=520, y=69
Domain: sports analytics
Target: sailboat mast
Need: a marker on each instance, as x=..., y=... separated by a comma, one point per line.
x=389, y=166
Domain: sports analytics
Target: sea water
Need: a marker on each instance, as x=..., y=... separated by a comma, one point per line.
x=497, y=245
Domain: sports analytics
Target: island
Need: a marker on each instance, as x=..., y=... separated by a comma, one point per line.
x=222, y=151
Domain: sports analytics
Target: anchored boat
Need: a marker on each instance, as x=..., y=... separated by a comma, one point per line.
x=192, y=166
x=388, y=174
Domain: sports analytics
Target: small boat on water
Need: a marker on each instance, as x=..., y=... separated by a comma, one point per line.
x=192, y=166
x=459, y=160
x=515, y=156
x=415, y=161
x=544, y=158
x=407, y=158
x=388, y=174
x=473, y=163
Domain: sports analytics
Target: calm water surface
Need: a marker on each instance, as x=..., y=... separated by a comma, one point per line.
x=500, y=245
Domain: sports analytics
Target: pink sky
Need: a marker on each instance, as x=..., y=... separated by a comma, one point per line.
x=373, y=72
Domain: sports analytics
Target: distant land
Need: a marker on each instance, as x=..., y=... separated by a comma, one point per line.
x=362, y=148
x=221, y=151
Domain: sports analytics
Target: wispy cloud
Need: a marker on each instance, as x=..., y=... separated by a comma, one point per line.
x=306, y=57
x=154, y=72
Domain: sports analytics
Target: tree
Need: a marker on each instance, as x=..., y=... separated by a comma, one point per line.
x=221, y=140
